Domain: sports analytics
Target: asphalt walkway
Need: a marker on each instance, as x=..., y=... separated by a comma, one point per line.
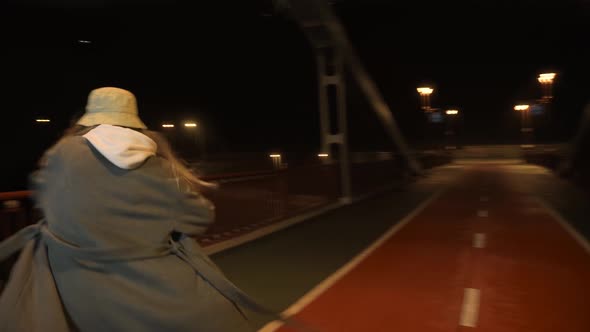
x=480, y=246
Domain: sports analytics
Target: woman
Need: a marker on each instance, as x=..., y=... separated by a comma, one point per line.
x=115, y=252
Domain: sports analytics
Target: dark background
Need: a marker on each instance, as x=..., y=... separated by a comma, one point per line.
x=246, y=73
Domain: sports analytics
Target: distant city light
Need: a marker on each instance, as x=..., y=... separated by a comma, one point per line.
x=425, y=90
x=82, y=41
x=323, y=155
x=452, y=112
x=275, y=156
x=521, y=107
x=42, y=120
x=190, y=124
x=168, y=125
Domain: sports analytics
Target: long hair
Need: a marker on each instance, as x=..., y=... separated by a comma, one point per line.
x=164, y=150
x=179, y=166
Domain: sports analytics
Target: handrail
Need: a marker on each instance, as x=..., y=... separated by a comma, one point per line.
x=10, y=195
x=225, y=176
x=24, y=194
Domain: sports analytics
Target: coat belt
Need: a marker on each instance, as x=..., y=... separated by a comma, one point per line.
x=40, y=231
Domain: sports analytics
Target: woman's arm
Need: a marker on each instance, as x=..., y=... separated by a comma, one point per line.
x=195, y=212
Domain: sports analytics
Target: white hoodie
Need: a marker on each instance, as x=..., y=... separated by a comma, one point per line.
x=126, y=148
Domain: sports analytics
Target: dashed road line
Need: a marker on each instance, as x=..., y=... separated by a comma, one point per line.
x=470, y=307
x=479, y=240
x=482, y=213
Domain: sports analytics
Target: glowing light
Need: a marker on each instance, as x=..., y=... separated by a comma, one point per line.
x=546, y=78
x=190, y=124
x=168, y=125
x=43, y=120
x=452, y=112
x=82, y=41
x=521, y=107
x=275, y=156
x=323, y=155
x=548, y=75
x=424, y=90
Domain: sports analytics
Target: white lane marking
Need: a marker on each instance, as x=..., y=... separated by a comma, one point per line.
x=582, y=241
x=484, y=199
x=333, y=278
x=482, y=213
x=479, y=240
x=470, y=308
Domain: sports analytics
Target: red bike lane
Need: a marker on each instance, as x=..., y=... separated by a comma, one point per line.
x=485, y=255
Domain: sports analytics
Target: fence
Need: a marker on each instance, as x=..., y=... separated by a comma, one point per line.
x=556, y=159
x=251, y=200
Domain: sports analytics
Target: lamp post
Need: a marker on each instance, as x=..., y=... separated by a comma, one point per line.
x=526, y=127
x=168, y=130
x=199, y=136
x=276, y=160
x=546, y=81
x=425, y=93
x=451, y=116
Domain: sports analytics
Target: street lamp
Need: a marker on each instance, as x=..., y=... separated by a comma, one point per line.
x=425, y=93
x=276, y=160
x=425, y=90
x=546, y=77
x=198, y=135
x=546, y=80
x=521, y=107
x=526, y=127
x=452, y=114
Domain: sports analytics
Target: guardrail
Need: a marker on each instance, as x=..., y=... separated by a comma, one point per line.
x=251, y=200
x=555, y=158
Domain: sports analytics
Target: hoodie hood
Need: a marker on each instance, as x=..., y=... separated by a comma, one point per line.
x=126, y=148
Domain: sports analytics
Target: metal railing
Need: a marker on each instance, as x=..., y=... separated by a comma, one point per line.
x=248, y=201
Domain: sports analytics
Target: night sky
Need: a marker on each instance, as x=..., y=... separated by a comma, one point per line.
x=247, y=74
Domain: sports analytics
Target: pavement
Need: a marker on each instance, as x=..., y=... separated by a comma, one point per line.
x=486, y=245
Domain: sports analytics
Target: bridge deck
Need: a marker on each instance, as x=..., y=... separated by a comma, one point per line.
x=487, y=253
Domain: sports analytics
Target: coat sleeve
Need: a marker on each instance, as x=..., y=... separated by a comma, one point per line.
x=38, y=179
x=195, y=214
